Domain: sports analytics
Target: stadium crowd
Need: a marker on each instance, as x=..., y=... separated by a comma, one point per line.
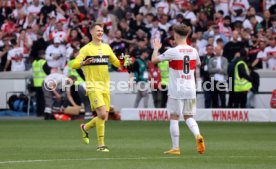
x=222, y=31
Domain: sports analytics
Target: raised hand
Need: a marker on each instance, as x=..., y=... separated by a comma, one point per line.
x=157, y=44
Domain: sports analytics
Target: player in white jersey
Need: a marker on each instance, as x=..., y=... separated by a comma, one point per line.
x=183, y=60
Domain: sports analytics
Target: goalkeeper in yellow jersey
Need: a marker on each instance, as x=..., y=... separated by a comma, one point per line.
x=93, y=58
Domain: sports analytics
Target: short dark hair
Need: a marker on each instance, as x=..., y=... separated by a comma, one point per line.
x=72, y=77
x=182, y=30
x=13, y=41
x=96, y=24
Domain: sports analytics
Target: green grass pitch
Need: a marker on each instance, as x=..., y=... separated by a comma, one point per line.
x=135, y=145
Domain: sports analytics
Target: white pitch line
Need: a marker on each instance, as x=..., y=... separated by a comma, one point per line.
x=130, y=158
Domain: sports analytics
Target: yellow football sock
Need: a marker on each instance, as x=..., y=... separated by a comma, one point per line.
x=100, y=127
x=91, y=123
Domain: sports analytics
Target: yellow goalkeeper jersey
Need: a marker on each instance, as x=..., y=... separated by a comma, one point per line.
x=96, y=73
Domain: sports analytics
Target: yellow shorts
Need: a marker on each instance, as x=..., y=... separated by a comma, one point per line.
x=98, y=99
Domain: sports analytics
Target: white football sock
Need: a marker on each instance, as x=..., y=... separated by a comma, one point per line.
x=192, y=124
x=174, y=130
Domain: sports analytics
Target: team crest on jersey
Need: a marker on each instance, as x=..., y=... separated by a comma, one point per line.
x=100, y=53
x=95, y=101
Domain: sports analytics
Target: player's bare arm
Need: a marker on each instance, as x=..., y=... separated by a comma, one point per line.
x=156, y=46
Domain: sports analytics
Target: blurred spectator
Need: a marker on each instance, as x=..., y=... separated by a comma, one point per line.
x=9, y=27
x=30, y=21
x=141, y=77
x=203, y=22
x=222, y=5
x=118, y=45
x=217, y=68
x=252, y=24
x=164, y=24
x=34, y=8
x=225, y=28
x=109, y=20
x=51, y=87
x=189, y=15
x=147, y=8
x=24, y=40
x=255, y=88
x=49, y=7
x=204, y=73
x=50, y=27
x=200, y=42
x=242, y=80
x=258, y=62
x=155, y=81
x=270, y=54
x=17, y=57
x=71, y=47
x=252, y=12
x=267, y=4
x=55, y=54
x=40, y=70
x=164, y=72
x=214, y=32
x=72, y=95
x=156, y=32
x=137, y=4
x=136, y=51
x=39, y=45
x=69, y=71
x=232, y=46
x=121, y=10
x=230, y=72
x=208, y=8
x=255, y=4
x=238, y=10
x=138, y=23
x=220, y=43
x=253, y=50
x=169, y=41
x=19, y=10
x=5, y=11
x=128, y=34
x=4, y=50
x=58, y=33
x=266, y=23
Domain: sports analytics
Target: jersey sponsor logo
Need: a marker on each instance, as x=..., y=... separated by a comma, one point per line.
x=98, y=60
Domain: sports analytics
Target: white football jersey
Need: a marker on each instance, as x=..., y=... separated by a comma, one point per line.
x=183, y=60
x=17, y=57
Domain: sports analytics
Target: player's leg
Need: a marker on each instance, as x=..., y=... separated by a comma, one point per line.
x=96, y=100
x=102, y=113
x=173, y=107
x=189, y=112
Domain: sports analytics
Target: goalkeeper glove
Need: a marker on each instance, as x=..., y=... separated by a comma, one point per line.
x=127, y=60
